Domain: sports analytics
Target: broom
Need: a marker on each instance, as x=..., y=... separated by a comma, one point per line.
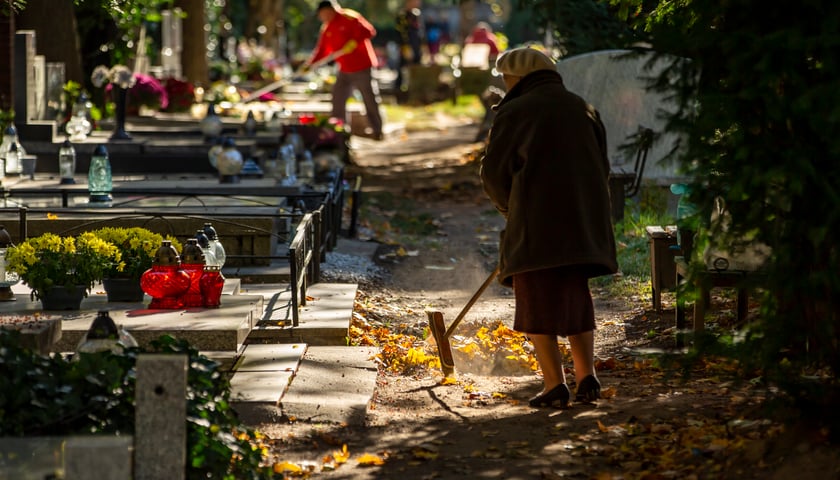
x=441, y=334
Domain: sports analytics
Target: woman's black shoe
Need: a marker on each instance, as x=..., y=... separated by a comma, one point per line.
x=556, y=397
x=588, y=390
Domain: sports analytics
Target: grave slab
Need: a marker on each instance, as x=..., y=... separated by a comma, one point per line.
x=212, y=329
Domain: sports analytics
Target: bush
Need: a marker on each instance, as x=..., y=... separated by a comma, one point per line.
x=95, y=394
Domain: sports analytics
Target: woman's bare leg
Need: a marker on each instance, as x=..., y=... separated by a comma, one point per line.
x=550, y=358
x=583, y=354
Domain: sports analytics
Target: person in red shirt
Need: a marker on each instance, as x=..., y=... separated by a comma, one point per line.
x=483, y=34
x=346, y=37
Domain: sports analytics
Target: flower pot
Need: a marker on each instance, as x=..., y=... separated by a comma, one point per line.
x=123, y=289
x=63, y=298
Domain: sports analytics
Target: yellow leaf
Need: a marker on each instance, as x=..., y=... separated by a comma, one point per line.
x=52, y=216
x=449, y=381
x=368, y=459
x=287, y=467
x=341, y=456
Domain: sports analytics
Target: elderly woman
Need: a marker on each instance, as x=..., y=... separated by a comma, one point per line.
x=545, y=169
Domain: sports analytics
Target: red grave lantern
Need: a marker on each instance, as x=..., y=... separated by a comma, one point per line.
x=193, y=262
x=165, y=282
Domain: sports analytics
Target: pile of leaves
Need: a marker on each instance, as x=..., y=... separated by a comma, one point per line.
x=407, y=349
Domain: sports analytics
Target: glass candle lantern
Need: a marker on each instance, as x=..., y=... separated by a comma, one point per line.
x=229, y=162
x=192, y=262
x=215, y=151
x=165, y=282
x=99, y=176
x=218, y=248
x=79, y=127
x=67, y=163
x=12, y=159
x=211, y=125
x=10, y=137
x=104, y=335
x=208, y=250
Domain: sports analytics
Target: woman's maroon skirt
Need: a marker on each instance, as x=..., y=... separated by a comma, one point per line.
x=553, y=301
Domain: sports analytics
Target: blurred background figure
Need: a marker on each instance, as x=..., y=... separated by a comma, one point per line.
x=482, y=34
x=346, y=37
x=409, y=25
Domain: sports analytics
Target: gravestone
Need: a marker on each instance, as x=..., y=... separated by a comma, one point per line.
x=170, y=52
x=54, y=88
x=29, y=126
x=160, y=437
x=615, y=82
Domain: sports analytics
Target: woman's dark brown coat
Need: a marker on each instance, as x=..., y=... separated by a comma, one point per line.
x=546, y=171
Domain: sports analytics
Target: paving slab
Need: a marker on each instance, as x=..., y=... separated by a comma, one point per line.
x=333, y=384
x=262, y=375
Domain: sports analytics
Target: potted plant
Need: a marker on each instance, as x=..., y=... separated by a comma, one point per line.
x=137, y=247
x=60, y=270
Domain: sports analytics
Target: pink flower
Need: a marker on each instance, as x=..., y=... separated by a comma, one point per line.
x=148, y=91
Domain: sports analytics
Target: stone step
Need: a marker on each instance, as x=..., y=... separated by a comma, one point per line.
x=324, y=320
x=274, y=382
x=305, y=372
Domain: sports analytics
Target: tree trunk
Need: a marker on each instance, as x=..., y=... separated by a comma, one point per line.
x=194, y=52
x=54, y=22
x=7, y=44
x=267, y=14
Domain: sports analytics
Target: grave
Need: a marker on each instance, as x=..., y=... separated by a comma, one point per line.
x=616, y=83
x=30, y=99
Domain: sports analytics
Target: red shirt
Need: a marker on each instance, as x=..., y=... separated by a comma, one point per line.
x=345, y=26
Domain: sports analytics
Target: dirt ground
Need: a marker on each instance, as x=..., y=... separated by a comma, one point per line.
x=651, y=424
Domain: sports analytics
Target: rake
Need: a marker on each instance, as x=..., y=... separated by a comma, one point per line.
x=441, y=334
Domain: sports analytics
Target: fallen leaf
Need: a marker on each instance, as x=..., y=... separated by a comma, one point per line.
x=289, y=467
x=368, y=459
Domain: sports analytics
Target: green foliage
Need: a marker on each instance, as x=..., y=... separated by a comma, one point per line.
x=94, y=394
x=50, y=395
x=760, y=122
x=6, y=119
x=581, y=26
x=631, y=237
x=426, y=117
x=129, y=16
x=9, y=6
